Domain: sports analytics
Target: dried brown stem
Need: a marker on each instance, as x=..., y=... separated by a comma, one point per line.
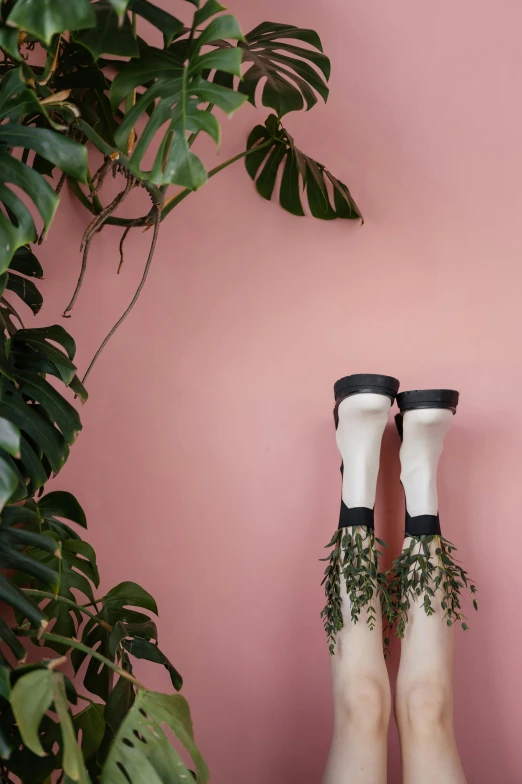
x=94, y=226
x=100, y=174
x=131, y=225
x=156, y=223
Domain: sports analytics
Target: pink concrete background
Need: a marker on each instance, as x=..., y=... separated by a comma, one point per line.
x=207, y=465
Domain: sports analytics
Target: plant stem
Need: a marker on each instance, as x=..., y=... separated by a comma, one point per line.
x=80, y=195
x=69, y=603
x=157, y=222
x=72, y=643
x=175, y=200
x=98, y=207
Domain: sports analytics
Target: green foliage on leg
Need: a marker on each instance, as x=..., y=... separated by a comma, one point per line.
x=426, y=570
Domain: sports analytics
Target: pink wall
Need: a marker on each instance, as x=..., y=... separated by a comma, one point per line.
x=208, y=467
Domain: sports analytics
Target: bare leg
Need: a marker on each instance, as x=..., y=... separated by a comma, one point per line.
x=361, y=690
x=424, y=694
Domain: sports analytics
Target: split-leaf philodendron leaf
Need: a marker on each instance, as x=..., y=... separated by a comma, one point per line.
x=327, y=197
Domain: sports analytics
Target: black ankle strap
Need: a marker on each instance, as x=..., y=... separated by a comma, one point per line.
x=356, y=515
x=422, y=525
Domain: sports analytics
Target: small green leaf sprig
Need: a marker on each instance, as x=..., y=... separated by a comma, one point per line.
x=354, y=557
x=426, y=569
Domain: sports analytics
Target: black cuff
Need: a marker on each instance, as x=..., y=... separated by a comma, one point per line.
x=422, y=525
x=356, y=515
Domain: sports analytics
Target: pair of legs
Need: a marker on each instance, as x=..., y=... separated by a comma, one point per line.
x=361, y=689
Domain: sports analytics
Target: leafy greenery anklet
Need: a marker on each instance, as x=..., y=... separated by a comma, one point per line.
x=354, y=559
x=427, y=570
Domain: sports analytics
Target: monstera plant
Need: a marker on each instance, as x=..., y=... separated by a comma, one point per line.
x=84, y=95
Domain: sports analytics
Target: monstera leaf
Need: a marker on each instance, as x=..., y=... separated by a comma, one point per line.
x=44, y=19
x=175, y=91
x=290, y=82
x=47, y=423
x=16, y=101
x=31, y=697
x=17, y=547
x=163, y=21
x=75, y=560
x=124, y=628
x=328, y=197
x=142, y=751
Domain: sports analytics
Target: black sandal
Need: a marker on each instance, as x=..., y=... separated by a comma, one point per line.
x=414, y=573
x=356, y=384
x=352, y=548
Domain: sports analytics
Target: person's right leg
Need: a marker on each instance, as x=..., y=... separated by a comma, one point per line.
x=424, y=693
x=360, y=685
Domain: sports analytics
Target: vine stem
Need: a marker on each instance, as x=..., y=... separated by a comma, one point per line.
x=95, y=225
x=175, y=200
x=157, y=221
x=169, y=204
x=48, y=595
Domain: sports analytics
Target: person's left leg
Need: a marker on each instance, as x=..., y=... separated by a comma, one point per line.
x=424, y=693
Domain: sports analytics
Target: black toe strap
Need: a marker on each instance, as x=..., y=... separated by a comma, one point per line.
x=422, y=525
x=355, y=515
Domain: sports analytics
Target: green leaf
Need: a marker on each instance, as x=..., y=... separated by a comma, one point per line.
x=120, y=6
x=77, y=568
x=129, y=594
x=271, y=148
x=9, y=437
x=119, y=703
x=210, y=8
x=37, y=189
x=168, y=24
x=68, y=155
x=31, y=697
x=73, y=763
x=32, y=562
x=118, y=634
x=37, y=340
x=31, y=422
x=32, y=466
x=110, y=36
x=55, y=333
x=14, y=597
x=115, y=610
x=91, y=723
x=227, y=60
x=9, y=41
x=59, y=503
x=143, y=649
x=46, y=17
x=290, y=82
x=25, y=262
x=5, y=686
x=142, y=752
x=62, y=413
x=11, y=640
x=26, y=290
x=8, y=481
x=171, y=102
x=225, y=26
x=78, y=389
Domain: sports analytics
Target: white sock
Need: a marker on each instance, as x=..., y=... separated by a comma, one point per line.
x=362, y=419
x=424, y=431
